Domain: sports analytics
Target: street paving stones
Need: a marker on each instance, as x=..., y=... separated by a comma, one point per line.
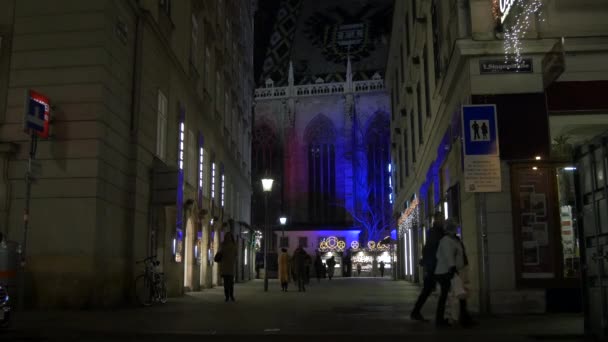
x=339, y=310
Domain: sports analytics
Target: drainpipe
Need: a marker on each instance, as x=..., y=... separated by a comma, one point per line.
x=137, y=69
x=484, y=280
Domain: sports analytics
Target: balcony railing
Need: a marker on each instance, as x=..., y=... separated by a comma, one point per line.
x=319, y=89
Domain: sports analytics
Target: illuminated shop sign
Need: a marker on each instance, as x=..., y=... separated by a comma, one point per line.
x=37, y=114
x=505, y=8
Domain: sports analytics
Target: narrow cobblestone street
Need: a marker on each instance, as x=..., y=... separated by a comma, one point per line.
x=337, y=310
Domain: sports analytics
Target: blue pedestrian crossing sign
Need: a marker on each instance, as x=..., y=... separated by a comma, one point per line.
x=480, y=130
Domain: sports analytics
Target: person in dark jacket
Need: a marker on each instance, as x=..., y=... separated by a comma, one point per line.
x=299, y=263
x=428, y=263
x=331, y=264
x=228, y=265
x=318, y=267
x=464, y=317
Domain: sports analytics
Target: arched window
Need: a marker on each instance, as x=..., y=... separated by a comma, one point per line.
x=319, y=137
x=265, y=146
x=377, y=143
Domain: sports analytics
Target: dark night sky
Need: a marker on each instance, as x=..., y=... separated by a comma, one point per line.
x=264, y=22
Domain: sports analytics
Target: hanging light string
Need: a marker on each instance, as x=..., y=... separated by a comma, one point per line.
x=516, y=28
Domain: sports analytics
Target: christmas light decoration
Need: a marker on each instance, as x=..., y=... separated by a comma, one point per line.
x=523, y=13
x=258, y=240
x=332, y=244
x=354, y=245
x=371, y=245
x=409, y=218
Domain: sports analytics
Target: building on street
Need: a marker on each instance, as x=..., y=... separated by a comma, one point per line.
x=499, y=121
x=321, y=125
x=149, y=153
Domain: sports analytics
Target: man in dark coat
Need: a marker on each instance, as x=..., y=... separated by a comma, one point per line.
x=428, y=263
x=299, y=263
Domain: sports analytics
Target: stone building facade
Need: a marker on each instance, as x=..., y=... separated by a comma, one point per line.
x=545, y=77
x=322, y=119
x=149, y=153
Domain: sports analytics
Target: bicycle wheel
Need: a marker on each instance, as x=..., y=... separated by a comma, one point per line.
x=162, y=291
x=143, y=290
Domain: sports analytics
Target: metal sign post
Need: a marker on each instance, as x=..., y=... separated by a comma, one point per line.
x=36, y=123
x=29, y=177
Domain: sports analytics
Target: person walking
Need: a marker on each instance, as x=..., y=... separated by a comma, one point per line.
x=299, y=262
x=307, y=266
x=382, y=269
x=331, y=264
x=318, y=267
x=227, y=261
x=284, y=269
x=464, y=317
x=450, y=258
x=428, y=263
x=358, y=269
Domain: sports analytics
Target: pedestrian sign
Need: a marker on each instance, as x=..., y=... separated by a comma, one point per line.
x=482, y=172
x=37, y=114
x=480, y=130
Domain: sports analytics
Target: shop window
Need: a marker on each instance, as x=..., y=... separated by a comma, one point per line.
x=406, y=155
x=161, y=126
x=427, y=86
x=544, y=221
x=194, y=41
x=419, y=108
x=407, y=33
x=413, y=137
x=436, y=40
x=402, y=66
x=401, y=167
x=191, y=158
x=568, y=231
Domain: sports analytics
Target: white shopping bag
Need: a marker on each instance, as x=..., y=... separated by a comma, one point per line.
x=458, y=287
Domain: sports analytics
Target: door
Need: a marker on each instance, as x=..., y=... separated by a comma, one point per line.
x=593, y=205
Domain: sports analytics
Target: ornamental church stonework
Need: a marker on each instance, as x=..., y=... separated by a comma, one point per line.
x=322, y=124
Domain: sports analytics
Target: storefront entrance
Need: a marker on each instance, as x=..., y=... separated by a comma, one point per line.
x=593, y=205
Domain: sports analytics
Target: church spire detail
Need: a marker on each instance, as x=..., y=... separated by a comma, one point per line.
x=349, y=74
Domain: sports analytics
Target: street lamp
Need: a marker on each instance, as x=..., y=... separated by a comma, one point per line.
x=267, y=187
x=283, y=221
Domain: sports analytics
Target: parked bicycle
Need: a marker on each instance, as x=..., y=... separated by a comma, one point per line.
x=150, y=287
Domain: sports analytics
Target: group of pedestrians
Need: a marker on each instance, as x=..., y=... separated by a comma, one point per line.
x=381, y=267
x=297, y=267
x=443, y=258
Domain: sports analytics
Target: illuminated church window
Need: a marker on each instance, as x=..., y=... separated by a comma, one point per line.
x=378, y=156
x=320, y=137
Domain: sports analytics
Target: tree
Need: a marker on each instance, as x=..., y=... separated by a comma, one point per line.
x=371, y=209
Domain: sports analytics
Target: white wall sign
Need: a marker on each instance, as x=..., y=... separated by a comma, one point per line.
x=482, y=174
x=481, y=148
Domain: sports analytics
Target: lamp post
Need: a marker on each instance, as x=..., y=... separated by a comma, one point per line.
x=283, y=221
x=267, y=187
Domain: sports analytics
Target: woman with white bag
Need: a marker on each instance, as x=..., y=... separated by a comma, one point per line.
x=450, y=260
x=460, y=291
